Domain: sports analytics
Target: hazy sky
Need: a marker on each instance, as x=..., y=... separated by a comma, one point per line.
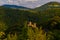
x=26, y=3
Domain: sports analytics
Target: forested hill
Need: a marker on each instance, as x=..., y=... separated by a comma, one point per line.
x=15, y=15
x=46, y=18
x=49, y=5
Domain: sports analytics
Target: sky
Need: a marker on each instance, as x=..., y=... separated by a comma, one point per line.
x=26, y=3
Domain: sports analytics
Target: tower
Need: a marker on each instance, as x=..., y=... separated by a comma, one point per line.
x=30, y=24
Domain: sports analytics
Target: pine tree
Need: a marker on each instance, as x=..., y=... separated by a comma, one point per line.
x=41, y=34
x=30, y=33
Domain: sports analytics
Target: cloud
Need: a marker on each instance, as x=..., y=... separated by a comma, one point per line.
x=10, y=1
x=31, y=0
x=1, y=2
x=26, y=3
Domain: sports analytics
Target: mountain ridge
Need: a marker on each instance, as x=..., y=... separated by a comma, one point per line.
x=14, y=6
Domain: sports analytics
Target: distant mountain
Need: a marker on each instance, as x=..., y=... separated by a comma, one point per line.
x=15, y=7
x=48, y=5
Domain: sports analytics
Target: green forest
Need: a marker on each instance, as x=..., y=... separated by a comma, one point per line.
x=14, y=24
